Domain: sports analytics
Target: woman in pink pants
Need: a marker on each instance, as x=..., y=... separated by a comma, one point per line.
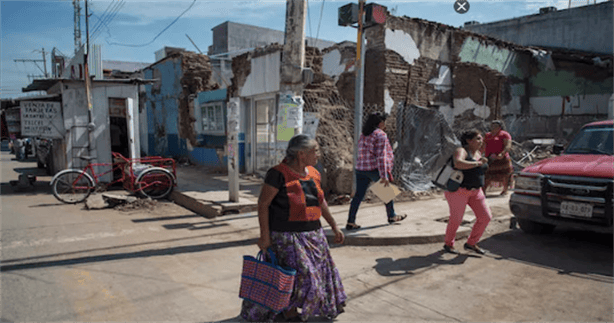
x=469, y=159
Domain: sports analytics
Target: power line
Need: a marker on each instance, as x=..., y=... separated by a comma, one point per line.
x=105, y=19
x=309, y=19
x=319, y=23
x=158, y=35
x=108, y=19
x=103, y=14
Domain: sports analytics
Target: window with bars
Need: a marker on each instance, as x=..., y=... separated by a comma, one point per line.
x=213, y=118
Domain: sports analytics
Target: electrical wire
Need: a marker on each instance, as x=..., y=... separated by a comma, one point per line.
x=319, y=23
x=97, y=25
x=108, y=15
x=158, y=35
x=309, y=19
x=108, y=20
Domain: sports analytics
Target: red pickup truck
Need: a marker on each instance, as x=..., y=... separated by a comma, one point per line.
x=574, y=189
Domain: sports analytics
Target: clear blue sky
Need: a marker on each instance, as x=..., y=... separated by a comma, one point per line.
x=129, y=26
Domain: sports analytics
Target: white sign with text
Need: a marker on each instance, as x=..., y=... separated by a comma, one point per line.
x=41, y=119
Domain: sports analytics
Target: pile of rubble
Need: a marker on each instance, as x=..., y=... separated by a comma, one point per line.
x=118, y=200
x=528, y=152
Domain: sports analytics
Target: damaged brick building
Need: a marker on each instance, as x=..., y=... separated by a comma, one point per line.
x=466, y=77
x=167, y=105
x=472, y=78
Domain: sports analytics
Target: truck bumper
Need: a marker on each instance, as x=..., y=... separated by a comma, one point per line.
x=530, y=208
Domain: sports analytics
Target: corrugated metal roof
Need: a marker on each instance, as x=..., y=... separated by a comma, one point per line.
x=46, y=84
x=12, y=102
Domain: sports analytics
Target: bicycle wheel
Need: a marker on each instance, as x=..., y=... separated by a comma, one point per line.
x=72, y=186
x=155, y=182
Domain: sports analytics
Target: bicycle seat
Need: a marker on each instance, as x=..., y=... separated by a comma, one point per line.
x=88, y=158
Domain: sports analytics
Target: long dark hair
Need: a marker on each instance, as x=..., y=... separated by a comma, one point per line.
x=468, y=135
x=373, y=121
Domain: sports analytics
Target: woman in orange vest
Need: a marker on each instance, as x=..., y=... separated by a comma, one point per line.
x=290, y=205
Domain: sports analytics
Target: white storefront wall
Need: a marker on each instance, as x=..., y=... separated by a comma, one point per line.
x=76, y=122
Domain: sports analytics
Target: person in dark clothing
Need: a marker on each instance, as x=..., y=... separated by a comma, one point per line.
x=290, y=205
x=469, y=159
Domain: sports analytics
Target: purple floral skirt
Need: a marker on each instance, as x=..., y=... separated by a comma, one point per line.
x=318, y=290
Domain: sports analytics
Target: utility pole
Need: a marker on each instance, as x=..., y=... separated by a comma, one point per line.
x=291, y=78
x=365, y=16
x=77, y=17
x=293, y=58
x=35, y=61
x=86, y=61
x=90, y=126
x=359, y=87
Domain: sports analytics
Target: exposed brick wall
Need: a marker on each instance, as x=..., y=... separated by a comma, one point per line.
x=468, y=78
x=196, y=77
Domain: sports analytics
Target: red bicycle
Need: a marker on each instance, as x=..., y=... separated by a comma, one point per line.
x=152, y=177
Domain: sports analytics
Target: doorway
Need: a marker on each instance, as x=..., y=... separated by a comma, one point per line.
x=118, y=126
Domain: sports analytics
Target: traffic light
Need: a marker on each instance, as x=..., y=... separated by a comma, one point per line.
x=375, y=14
x=348, y=14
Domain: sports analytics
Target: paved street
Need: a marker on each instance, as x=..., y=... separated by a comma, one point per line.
x=64, y=263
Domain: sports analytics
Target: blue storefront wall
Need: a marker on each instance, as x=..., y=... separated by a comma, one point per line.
x=210, y=150
x=162, y=109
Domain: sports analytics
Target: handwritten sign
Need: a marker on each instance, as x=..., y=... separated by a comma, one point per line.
x=41, y=119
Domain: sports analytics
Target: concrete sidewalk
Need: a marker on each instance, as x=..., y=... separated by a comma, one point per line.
x=207, y=194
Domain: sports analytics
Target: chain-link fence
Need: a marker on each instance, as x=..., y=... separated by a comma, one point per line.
x=335, y=135
x=424, y=141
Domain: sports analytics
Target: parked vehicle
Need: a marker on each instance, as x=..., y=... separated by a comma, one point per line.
x=574, y=189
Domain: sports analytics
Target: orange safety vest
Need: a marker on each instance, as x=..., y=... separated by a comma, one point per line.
x=305, y=197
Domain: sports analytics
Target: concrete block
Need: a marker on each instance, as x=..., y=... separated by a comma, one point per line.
x=200, y=207
x=96, y=202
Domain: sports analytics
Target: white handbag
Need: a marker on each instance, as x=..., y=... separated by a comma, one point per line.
x=448, y=178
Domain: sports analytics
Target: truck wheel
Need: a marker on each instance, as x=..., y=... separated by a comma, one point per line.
x=533, y=227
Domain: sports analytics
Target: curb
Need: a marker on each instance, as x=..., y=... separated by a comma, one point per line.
x=352, y=240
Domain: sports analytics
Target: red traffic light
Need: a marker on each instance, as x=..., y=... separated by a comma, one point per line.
x=375, y=14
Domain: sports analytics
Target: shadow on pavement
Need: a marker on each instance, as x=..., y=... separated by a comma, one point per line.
x=411, y=265
x=193, y=226
x=567, y=251
x=167, y=218
x=31, y=170
x=39, y=187
x=127, y=255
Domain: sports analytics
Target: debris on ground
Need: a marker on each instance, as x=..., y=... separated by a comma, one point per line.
x=119, y=201
x=531, y=151
x=96, y=202
x=139, y=204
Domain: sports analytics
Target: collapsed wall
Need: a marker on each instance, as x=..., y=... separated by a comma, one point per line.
x=197, y=76
x=336, y=126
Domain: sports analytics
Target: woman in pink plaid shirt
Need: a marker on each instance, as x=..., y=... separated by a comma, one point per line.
x=374, y=163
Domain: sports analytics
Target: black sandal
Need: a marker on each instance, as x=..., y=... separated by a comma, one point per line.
x=352, y=226
x=397, y=218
